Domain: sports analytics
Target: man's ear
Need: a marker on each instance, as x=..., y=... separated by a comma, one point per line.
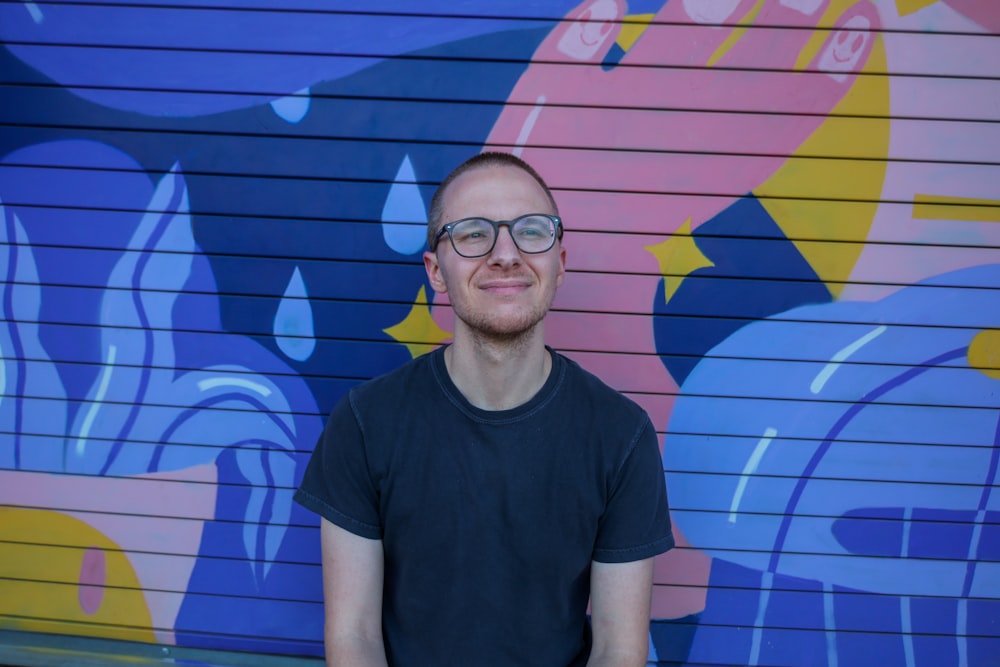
x=562, y=264
x=434, y=273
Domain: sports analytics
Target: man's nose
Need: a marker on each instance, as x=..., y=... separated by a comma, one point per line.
x=505, y=251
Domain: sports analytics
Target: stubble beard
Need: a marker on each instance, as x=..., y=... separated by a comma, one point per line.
x=506, y=330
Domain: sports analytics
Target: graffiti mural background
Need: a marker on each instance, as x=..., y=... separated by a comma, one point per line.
x=783, y=240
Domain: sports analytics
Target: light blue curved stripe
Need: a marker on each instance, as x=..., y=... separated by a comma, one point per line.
x=905, y=620
x=841, y=356
x=961, y=627
x=830, y=623
x=34, y=10
x=749, y=469
x=766, y=582
x=3, y=376
x=213, y=383
x=95, y=405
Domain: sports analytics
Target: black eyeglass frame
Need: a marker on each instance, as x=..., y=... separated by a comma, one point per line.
x=496, y=224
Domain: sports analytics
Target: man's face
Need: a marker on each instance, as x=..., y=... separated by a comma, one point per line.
x=505, y=293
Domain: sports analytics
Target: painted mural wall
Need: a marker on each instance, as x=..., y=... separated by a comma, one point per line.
x=783, y=240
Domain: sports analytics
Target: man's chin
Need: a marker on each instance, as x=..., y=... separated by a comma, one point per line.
x=503, y=329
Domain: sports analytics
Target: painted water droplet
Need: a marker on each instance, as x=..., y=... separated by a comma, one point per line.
x=404, y=215
x=293, y=323
x=34, y=11
x=93, y=577
x=293, y=108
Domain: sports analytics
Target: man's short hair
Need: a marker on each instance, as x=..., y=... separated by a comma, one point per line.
x=487, y=159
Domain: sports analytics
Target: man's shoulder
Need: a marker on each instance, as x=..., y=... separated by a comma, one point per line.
x=590, y=390
x=408, y=381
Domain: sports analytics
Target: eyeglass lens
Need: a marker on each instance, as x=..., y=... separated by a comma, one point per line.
x=475, y=237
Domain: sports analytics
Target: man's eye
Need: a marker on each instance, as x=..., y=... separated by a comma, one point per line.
x=527, y=232
x=471, y=233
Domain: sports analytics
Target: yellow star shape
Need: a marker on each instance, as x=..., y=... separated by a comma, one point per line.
x=418, y=331
x=678, y=256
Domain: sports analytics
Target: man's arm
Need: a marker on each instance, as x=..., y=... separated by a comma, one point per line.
x=352, y=593
x=619, y=607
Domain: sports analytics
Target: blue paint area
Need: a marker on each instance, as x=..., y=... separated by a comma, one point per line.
x=795, y=632
x=757, y=272
x=724, y=635
x=875, y=531
x=829, y=475
x=188, y=53
x=140, y=234
x=930, y=646
x=872, y=626
x=228, y=606
x=163, y=282
x=404, y=216
x=66, y=218
x=672, y=638
x=937, y=533
x=293, y=323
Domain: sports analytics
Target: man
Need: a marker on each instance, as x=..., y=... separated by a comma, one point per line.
x=475, y=499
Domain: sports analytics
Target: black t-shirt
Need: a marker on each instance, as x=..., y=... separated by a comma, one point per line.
x=490, y=519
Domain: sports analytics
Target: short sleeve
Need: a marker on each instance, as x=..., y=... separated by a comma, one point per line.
x=636, y=521
x=337, y=483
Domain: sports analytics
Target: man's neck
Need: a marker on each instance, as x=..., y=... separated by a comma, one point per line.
x=498, y=374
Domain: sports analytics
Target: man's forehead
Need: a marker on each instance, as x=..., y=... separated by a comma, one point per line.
x=490, y=187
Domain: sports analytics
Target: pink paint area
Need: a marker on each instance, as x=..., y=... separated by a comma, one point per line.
x=985, y=14
x=589, y=27
x=156, y=520
x=904, y=249
x=656, y=159
x=93, y=576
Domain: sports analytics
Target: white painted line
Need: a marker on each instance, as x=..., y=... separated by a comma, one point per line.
x=529, y=125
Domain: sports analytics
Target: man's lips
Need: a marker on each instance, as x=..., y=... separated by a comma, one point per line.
x=505, y=286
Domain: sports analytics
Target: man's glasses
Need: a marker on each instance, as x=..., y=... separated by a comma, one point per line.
x=475, y=237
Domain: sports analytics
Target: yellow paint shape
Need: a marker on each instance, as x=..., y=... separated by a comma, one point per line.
x=43, y=587
x=933, y=207
x=633, y=25
x=984, y=353
x=418, y=331
x=906, y=7
x=836, y=200
x=678, y=257
x=735, y=35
